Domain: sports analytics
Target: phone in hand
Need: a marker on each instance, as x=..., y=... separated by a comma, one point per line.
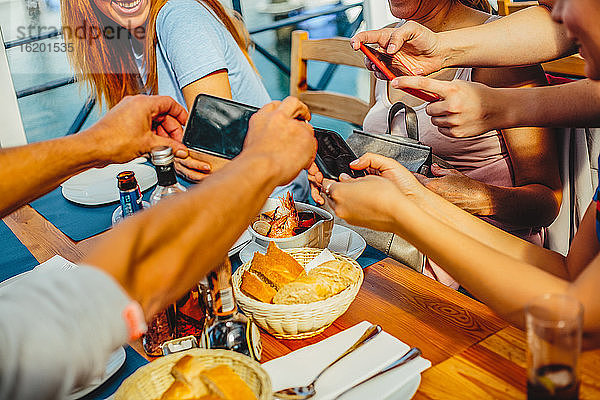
x=334, y=155
x=217, y=126
x=369, y=52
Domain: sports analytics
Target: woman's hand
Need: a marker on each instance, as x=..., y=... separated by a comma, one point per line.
x=416, y=50
x=454, y=186
x=466, y=108
x=375, y=164
x=315, y=179
x=190, y=168
x=370, y=201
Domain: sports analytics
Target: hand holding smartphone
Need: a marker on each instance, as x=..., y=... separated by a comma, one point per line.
x=421, y=94
x=217, y=128
x=334, y=155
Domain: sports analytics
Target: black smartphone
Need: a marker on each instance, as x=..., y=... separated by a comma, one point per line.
x=217, y=126
x=334, y=155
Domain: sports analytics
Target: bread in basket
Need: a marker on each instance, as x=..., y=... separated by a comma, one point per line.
x=297, y=321
x=152, y=380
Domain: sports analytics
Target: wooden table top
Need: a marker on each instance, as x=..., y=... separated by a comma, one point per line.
x=475, y=354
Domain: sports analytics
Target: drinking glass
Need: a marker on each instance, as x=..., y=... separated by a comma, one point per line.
x=554, y=326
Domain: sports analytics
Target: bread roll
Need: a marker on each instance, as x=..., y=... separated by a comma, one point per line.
x=179, y=391
x=222, y=381
x=307, y=289
x=187, y=370
x=339, y=274
x=256, y=288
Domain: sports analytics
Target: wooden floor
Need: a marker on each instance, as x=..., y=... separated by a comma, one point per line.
x=475, y=354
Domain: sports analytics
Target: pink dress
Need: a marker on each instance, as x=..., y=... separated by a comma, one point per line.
x=483, y=158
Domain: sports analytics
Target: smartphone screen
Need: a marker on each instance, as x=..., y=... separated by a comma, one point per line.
x=334, y=155
x=217, y=126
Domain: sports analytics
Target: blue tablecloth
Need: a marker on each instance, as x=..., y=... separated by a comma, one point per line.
x=15, y=258
x=77, y=221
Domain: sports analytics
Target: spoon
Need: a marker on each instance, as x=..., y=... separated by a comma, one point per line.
x=308, y=391
x=408, y=356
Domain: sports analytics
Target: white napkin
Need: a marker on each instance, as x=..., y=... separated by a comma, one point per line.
x=323, y=257
x=56, y=263
x=301, y=366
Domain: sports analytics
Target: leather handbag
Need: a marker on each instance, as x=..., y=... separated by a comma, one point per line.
x=411, y=153
x=408, y=151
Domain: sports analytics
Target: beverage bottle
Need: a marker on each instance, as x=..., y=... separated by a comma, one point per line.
x=163, y=160
x=130, y=193
x=230, y=329
x=189, y=313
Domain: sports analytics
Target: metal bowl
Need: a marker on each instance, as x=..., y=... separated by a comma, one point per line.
x=317, y=235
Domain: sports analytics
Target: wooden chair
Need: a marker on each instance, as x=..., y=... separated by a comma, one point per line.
x=572, y=65
x=333, y=51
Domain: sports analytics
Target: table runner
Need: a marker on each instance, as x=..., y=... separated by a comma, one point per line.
x=76, y=221
x=15, y=258
x=80, y=222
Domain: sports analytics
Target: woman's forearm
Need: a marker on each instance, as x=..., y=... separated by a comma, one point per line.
x=503, y=282
x=572, y=104
x=186, y=235
x=488, y=235
x=526, y=37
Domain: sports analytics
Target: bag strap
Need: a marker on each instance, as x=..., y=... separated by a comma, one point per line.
x=410, y=120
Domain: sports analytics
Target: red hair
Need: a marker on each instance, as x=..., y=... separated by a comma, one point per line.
x=109, y=68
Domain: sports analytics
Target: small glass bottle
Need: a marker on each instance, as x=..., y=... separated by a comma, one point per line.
x=230, y=329
x=161, y=329
x=189, y=313
x=163, y=160
x=130, y=194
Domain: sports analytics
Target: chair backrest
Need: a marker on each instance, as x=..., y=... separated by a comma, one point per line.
x=11, y=132
x=572, y=65
x=333, y=51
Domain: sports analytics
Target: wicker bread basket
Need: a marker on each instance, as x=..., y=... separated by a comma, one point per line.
x=297, y=321
x=152, y=380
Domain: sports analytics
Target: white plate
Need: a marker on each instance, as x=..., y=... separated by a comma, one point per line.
x=343, y=241
x=116, y=360
x=240, y=243
x=98, y=186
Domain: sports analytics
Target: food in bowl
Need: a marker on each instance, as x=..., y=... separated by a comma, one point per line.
x=193, y=381
x=278, y=278
x=285, y=220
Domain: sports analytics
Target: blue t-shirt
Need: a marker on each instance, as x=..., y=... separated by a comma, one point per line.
x=193, y=43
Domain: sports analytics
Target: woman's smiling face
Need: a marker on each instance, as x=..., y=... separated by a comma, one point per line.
x=129, y=14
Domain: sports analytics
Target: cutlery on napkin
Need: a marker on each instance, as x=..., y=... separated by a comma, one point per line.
x=301, y=366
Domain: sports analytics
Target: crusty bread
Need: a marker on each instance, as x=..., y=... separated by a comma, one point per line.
x=187, y=370
x=224, y=382
x=254, y=287
x=277, y=267
x=179, y=391
x=304, y=290
x=339, y=274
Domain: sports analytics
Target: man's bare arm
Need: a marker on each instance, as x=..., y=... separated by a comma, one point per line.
x=157, y=255
x=129, y=130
